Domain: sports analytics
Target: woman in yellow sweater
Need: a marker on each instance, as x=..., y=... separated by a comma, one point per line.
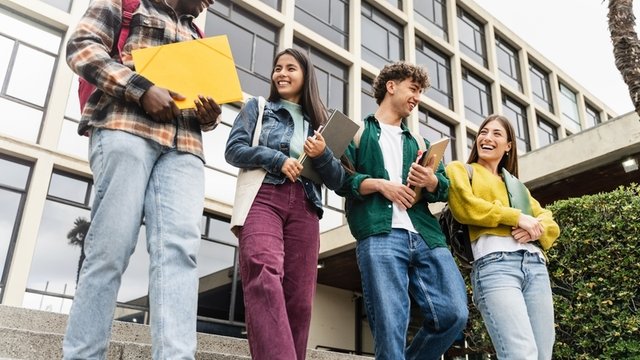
x=510, y=282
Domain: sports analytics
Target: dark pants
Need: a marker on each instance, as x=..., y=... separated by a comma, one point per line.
x=279, y=246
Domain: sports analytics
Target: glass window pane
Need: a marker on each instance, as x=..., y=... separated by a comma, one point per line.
x=8, y=212
x=68, y=188
x=432, y=14
x=63, y=5
x=31, y=75
x=29, y=31
x=73, y=102
x=253, y=43
x=72, y=143
x=384, y=40
x=327, y=18
x=56, y=259
x=214, y=143
x=219, y=230
x=6, y=50
x=13, y=174
x=219, y=186
x=24, y=122
x=331, y=219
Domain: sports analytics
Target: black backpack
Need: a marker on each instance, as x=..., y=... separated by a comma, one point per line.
x=457, y=234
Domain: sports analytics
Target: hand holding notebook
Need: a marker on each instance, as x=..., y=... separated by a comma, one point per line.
x=432, y=158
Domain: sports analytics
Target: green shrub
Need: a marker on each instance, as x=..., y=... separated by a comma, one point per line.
x=595, y=274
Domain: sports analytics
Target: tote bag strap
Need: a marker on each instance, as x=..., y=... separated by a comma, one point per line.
x=256, y=132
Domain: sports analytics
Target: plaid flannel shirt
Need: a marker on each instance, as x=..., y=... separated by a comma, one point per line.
x=116, y=102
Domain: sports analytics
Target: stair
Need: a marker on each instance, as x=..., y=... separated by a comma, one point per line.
x=27, y=334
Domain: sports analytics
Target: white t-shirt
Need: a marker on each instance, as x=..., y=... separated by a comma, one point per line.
x=391, y=146
x=487, y=244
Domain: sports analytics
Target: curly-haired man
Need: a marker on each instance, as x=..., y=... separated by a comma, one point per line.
x=400, y=247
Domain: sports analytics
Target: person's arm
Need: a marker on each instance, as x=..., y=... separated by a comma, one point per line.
x=240, y=153
x=471, y=209
x=88, y=53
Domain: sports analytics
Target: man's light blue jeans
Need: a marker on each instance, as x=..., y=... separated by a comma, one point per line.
x=396, y=264
x=136, y=178
x=513, y=293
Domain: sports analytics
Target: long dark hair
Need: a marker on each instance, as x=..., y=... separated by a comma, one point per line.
x=509, y=160
x=310, y=100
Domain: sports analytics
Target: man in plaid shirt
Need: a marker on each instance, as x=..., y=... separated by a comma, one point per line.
x=147, y=162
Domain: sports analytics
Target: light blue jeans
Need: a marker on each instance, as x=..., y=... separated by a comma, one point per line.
x=513, y=293
x=136, y=178
x=396, y=264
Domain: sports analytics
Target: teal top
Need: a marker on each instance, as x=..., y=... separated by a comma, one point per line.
x=369, y=215
x=300, y=128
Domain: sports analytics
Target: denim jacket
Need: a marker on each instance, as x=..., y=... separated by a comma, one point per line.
x=273, y=149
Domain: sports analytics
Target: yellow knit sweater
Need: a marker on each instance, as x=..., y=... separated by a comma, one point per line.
x=484, y=205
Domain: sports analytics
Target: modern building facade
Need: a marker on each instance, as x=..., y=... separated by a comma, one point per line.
x=477, y=67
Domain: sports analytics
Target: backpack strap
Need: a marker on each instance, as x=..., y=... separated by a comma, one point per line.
x=128, y=8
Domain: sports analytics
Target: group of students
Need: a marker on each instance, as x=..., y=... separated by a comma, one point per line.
x=147, y=162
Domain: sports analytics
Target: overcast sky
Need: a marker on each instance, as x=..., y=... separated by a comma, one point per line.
x=573, y=34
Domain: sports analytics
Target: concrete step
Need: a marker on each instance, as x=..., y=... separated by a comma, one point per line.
x=33, y=335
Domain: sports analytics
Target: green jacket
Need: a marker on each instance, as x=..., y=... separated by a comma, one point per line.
x=369, y=215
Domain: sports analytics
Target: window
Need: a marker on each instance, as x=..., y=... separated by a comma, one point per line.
x=439, y=67
x=433, y=128
x=64, y=5
x=253, y=43
x=219, y=176
x=547, y=133
x=508, y=64
x=14, y=178
x=332, y=77
x=593, y=116
x=384, y=38
x=471, y=37
x=569, y=107
x=540, y=88
x=329, y=18
x=367, y=99
x=477, y=97
x=471, y=138
x=517, y=115
x=276, y=4
x=28, y=54
x=220, y=293
x=58, y=254
x=396, y=3
x=69, y=141
x=433, y=15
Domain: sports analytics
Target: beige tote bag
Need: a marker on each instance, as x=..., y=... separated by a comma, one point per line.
x=249, y=181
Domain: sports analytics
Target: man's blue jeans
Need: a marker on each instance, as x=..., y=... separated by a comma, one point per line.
x=136, y=178
x=513, y=293
x=396, y=264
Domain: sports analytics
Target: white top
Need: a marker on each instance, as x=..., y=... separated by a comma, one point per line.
x=487, y=244
x=391, y=146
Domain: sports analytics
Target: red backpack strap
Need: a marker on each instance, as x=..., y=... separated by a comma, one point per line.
x=128, y=8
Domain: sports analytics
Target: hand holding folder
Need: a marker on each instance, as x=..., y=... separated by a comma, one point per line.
x=191, y=68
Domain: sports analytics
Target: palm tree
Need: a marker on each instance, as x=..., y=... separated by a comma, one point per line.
x=626, y=48
x=76, y=237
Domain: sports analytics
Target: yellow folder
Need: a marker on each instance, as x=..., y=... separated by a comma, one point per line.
x=191, y=68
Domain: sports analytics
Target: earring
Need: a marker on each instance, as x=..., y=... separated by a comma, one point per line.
x=506, y=154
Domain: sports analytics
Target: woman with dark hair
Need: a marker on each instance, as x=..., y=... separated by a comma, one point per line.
x=510, y=282
x=280, y=239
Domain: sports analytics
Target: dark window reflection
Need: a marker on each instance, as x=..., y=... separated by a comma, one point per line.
x=253, y=43
x=434, y=128
x=332, y=77
x=367, y=99
x=329, y=18
x=382, y=38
